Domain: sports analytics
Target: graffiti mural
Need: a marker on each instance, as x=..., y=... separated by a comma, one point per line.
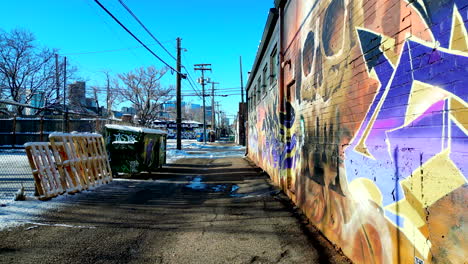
x=371, y=139
x=186, y=134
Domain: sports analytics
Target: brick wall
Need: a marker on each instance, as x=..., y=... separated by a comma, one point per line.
x=370, y=136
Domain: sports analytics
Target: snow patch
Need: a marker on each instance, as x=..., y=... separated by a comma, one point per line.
x=196, y=184
x=136, y=129
x=195, y=149
x=18, y=213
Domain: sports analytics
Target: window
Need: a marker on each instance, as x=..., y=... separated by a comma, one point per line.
x=254, y=96
x=259, y=85
x=249, y=100
x=264, y=81
x=273, y=63
x=259, y=94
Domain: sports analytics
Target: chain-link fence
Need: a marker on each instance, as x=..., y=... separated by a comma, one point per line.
x=15, y=131
x=15, y=173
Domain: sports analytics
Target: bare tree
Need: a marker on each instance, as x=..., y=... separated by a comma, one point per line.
x=50, y=94
x=3, y=87
x=142, y=88
x=112, y=95
x=190, y=113
x=95, y=92
x=26, y=69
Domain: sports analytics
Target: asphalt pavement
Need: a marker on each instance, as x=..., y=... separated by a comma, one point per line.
x=194, y=211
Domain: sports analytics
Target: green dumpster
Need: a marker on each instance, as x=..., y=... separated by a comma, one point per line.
x=134, y=149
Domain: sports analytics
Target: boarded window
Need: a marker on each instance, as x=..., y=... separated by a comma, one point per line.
x=273, y=66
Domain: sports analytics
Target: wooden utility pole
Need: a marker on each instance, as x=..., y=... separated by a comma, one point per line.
x=57, y=78
x=65, y=111
x=203, y=68
x=242, y=113
x=241, y=80
x=108, y=96
x=179, y=99
x=219, y=119
x=213, y=119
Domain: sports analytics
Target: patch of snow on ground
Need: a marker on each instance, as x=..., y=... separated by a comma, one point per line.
x=195, y=149
x=17, y=213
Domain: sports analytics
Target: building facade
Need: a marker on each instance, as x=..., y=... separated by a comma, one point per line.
x=358, y=111
x=77, y=94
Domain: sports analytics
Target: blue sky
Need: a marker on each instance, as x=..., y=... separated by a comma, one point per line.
x=212, y=31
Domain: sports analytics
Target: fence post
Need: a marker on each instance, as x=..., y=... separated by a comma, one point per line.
x=67, y=123
x=41, y=128
x=96, y=125
x=13, y=135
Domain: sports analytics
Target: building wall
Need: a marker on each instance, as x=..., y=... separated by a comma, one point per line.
x=77, y=94
x=369, y=137
x=263, y=137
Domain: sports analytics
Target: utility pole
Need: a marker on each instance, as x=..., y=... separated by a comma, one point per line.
x=203, y=68
x=213, y=119
x=242, y=107
x=219, y=119
x=108, y=96
x=241, y=80
x=57, y=78
x=65, y=111
x=179, y=99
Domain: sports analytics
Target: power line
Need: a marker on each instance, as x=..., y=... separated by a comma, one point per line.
x=191, y=82
x=102, y=51
x=190, y=79
x=196, y=92
x=193, y=87
x=227, y=89
x=135, y=37
x=111, y=29
x=146, y=29
x=103, y=89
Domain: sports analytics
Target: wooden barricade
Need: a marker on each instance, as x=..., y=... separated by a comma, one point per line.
x=70, y=162
x=46, y=176
x=92, y=152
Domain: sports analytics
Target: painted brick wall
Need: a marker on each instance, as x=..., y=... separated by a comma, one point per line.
x=370, y=136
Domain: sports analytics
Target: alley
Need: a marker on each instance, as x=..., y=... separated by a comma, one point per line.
x=193, y=211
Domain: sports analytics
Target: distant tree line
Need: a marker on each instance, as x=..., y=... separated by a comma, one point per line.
x=28, y=69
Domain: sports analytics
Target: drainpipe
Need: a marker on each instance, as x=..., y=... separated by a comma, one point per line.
x=281, y=55
x=281, y=71
x=246, y=129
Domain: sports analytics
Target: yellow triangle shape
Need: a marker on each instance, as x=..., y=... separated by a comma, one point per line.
x=422, y=97
x=388, y=47
x=459, y=113
x=459, y=36
x=436, y=178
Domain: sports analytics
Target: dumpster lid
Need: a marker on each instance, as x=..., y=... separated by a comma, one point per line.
x=136, y=129
x=124, y=142
x=193, y=122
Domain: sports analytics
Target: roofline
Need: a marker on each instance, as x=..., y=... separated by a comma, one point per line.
x=280, y=3
x=267, y=33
